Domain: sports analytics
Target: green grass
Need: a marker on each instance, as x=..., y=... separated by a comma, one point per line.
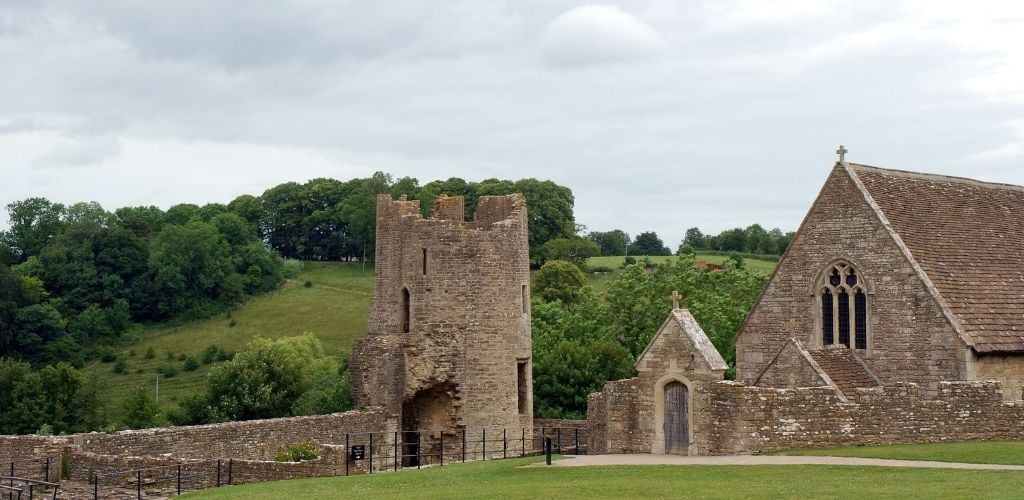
x=334, y=310
x=508, y=479
x=600, y=281
x=973, y=452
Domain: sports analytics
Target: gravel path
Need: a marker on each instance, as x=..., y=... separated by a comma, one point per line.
x=585, y=460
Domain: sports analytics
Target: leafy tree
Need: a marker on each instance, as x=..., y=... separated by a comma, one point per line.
x=574, y=354
x=145, y=222
x=574, y=250
x=612, y=243
x=550, y=208
x=558, y=280
x=249, y=208
x=140, y=411
x=35, y=222
x=262, y=381
x=190, y=263
x=638, y=301
x=181, y=214
x=695, y=239
x=648, y=243
x=86, y=213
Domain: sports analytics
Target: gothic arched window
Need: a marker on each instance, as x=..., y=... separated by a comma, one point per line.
x=843, y=297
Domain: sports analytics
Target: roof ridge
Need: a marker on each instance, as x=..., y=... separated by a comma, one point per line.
x=936, y=177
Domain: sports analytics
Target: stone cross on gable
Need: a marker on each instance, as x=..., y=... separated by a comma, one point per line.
x=675, y=299
x=842, y=153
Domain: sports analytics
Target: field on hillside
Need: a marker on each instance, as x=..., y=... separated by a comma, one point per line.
x=333, y=309
x=600, y=281
x=509, y=479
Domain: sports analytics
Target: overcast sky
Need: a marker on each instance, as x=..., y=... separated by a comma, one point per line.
x=660, y=115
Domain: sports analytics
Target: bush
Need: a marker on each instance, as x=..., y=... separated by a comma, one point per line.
x=292, y=268
x=308, y=284
x=191, y=364
x=150, y=353
x=559, y=280
x=232, y=323
x=181, y=357
x=108, y=355
x=305, y=450
x=170, y=356
x=167, y=371
x=131, y=353
x=120, y=367
x=628, y=261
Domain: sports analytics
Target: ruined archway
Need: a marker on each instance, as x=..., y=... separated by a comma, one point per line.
x=424, y=416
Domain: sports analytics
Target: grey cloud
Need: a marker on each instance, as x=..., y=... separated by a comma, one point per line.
x=79, y=152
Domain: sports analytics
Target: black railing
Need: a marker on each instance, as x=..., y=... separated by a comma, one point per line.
x=18, y=487
x=364, y=453
x=31, y=469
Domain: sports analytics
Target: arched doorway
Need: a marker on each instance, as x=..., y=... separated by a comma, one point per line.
x=677, y=422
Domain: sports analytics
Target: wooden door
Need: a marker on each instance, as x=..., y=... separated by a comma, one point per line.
x=677, y=428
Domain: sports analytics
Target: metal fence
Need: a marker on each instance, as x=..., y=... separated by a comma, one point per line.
x=364, y=453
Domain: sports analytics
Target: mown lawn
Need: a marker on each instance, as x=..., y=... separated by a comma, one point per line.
x=334, y=309
x=972, y=452
x=509, y=479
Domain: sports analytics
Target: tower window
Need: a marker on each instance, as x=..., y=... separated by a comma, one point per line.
x=840, y=285
x=526, y=301
x=521, y=384
x=424, y=261
x=405, y=310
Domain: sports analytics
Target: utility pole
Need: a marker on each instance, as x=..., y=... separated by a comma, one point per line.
x=157, y=387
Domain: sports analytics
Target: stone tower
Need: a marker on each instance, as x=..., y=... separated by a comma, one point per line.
x=448, y=343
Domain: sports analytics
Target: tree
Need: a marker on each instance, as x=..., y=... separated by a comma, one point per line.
x=140, y=411
x=558, y=280
x=181, y=214
x=612, y=243
x=574, y=250
x=145, y=222
x=648, y=243
x=695, y=239
x=35, y=222
x=262, y=381
x=550, y=208
x=190, y=263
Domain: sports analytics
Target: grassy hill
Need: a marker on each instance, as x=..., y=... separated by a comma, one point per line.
x=333, y=308
x=600, y=281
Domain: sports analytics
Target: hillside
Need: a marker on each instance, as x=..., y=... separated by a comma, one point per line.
x=333, y=308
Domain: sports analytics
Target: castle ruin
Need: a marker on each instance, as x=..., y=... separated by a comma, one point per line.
x=448, y=343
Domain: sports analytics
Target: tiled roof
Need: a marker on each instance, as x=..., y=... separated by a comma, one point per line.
x=845, y=370
x=968, y=238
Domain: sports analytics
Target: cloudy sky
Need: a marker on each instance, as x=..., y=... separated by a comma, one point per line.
x=660, y=115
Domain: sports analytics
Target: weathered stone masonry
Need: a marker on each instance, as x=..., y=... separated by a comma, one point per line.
x=448, y=344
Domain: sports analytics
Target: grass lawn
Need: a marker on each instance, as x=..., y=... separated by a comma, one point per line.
x=973, y=452
x=507, y=479
x=334, y=309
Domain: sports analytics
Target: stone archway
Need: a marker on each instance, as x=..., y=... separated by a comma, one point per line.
x=430, y=411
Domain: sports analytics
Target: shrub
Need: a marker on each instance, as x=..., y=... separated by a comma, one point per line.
x=170, y=356
x=191, y=364
x=120, y=367
x=181, y=357
x=232, y=323
x=292, y=268
x=308, y=284
x=131, y=353
x=150, y=353
x=628, y=261
x=305, y=450
x=108, y=355
x=167, y=371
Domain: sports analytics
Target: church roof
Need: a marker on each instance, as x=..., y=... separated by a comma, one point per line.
x=845, y=370
x=967, y=236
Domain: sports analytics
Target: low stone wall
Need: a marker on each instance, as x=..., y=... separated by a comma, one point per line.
x=247, y=440
x=29, y=455
x=746, y=419
x=567, y=436
x=738, y=419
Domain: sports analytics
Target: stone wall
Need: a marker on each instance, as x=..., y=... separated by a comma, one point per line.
x=909, y=338
x=448, y=343
x=564, y=434
x=1008, y=368
x=251, y=439
x=742, y=419
x=29, y=455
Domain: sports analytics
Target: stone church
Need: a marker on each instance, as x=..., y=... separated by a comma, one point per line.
x=895, y=276
x=895, y=315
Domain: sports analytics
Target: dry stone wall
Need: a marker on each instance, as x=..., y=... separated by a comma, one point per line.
x=740, y=419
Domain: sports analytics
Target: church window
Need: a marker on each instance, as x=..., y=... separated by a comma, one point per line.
x=843, y=298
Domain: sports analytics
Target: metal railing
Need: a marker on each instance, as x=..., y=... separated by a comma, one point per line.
x=26, y=486
x=364, y=453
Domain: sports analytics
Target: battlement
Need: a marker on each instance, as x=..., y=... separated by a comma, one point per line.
x=490, y=210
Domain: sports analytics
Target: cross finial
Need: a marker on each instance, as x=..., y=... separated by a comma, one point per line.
x=675, y=299
x=842, y=153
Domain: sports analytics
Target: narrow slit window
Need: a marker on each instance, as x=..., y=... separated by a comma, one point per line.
x=826, y=318
x=844, y=318
x=521, y=384
x=860, y=319
x=406, y=305
x=526, y=301
x=424, y=261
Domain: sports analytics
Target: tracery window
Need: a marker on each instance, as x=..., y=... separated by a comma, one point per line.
x=843, y=297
